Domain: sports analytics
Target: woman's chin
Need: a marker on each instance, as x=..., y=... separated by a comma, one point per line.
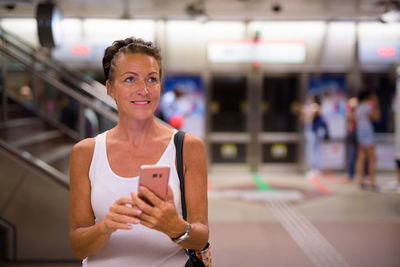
x=142, y=116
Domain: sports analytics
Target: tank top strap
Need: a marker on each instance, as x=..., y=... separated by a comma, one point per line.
x=168, y=157
x=98, y=156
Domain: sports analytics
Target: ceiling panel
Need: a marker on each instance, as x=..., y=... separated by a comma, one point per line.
x=215, y=9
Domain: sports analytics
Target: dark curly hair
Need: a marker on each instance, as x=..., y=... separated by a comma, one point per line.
x=129, y=45
x=364, y=94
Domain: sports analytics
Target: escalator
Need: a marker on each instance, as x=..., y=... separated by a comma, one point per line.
x=45, y=109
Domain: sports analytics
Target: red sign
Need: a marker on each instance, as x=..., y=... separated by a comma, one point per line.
x=81, y=50
x=387, y=52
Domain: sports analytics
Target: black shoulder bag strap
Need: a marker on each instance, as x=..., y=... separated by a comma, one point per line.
x=178, y=140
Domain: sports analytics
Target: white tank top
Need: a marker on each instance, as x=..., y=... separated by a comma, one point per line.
x=140, y=246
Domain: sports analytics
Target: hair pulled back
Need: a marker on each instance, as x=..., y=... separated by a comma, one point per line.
x=130, y=45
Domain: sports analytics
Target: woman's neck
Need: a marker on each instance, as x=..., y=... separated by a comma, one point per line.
x=136, y=131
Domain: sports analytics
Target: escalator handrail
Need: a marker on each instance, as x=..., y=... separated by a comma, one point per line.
x=38, y=165
x=62, y=87
x=32, y=52
x=93, y=88
x=42, y=114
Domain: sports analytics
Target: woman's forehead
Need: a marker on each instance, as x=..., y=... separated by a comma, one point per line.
x=131, y=60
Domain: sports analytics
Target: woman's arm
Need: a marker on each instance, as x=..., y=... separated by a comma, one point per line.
x=195, y=170
x=86, y=237
x=376, y=112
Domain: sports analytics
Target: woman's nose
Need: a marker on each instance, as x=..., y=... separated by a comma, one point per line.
x=141, y=88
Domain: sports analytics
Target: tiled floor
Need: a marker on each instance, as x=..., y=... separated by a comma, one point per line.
x=347, y=227
x=295, y=221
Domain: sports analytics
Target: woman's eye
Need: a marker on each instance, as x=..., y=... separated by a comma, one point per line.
x=129, y=79
x=152, y=79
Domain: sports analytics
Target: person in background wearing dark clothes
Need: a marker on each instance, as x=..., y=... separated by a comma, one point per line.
x=69, y=111
x=351, y=137
x=315, y=131
x=396, y=105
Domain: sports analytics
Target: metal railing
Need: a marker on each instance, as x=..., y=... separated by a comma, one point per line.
x=9, y=251
x=35, y=164
x=46, y=76
x=51, y=221
x=81, y=82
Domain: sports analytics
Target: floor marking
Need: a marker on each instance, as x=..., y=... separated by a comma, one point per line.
x=261, y=184
x=335, y=179
x=257, y=195
x=320, y=252
x=314, y=180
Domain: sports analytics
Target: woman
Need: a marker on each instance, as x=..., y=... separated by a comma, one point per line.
x=110, y=225
x=314, y=133
x=366, y=112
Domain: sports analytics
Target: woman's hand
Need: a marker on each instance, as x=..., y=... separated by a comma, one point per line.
x=160, y=215
x=121, y=215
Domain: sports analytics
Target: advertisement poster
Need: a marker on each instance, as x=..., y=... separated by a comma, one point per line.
x=182, y=103
x=333, y=155
x=331, y=92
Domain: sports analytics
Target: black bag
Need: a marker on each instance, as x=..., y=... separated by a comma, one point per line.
x=193, y=260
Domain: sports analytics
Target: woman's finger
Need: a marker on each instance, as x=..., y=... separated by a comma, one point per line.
x=124, y=201
x=124, y=210
x=117, y=225
x=148, y=220
x=125, y=205
x=141, y=204
x=123, y=218
x=150, y=196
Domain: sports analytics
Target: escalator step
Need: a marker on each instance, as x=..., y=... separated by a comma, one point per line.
x=57, y=153
x=36, y=138
x=20, y=122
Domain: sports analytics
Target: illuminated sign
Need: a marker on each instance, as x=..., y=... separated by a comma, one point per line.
x=379, y=52
x=387, y=52
x=81, y=50
x=263, y=51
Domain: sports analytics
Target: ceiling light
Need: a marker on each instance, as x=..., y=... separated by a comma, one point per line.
x=390, y=16
x=392, y=10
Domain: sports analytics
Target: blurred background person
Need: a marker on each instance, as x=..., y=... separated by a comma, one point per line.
x=351, y=140
x=173, y=108
x=395, y=185
x=68, y=111
x=315, y=131
x=351, y=137
x=366, y=112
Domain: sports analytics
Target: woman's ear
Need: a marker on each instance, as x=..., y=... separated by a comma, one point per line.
x=109, y=89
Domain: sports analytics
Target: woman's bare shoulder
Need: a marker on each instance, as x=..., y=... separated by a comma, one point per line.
x=84, y=148
x=193, y=144
x=193, y=140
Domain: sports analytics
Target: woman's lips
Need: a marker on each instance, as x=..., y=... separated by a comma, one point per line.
x=141, y=102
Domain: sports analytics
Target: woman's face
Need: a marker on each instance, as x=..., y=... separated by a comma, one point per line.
x=136, y=85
